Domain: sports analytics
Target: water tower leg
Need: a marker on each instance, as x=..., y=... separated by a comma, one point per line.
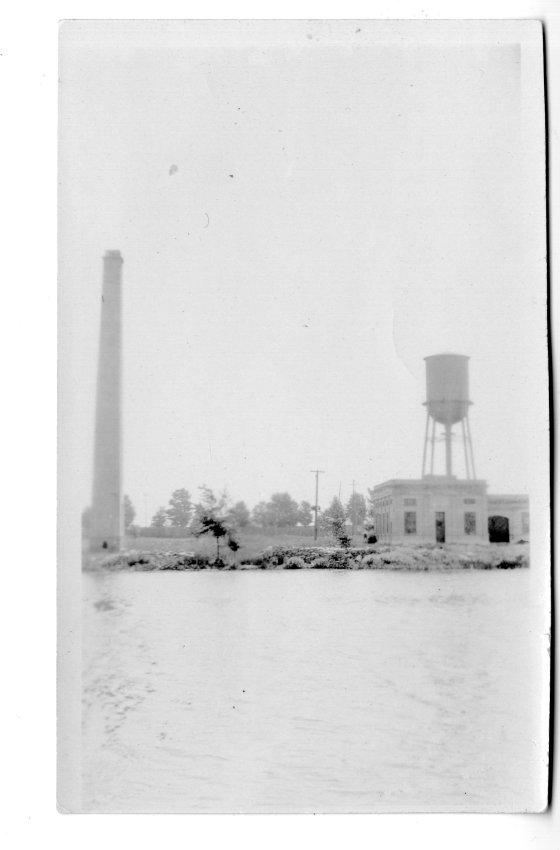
x=433, y=446
x=467, y=466
x=470, y=446
x=448, y=468
x=425, y=445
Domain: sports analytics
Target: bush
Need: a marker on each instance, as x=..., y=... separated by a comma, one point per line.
x=217, y=563
x=339, y=560
x=370, y=561
x=421, y=557
x=251, y=562
x=320, y=563
x=294, y=563
x=133, y=560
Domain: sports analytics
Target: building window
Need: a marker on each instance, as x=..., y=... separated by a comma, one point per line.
x=525, y=522
x=410, y=522
x=410, y=501
x=470, y=522
x=469, y=501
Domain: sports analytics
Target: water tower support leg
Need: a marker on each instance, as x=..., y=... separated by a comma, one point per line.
x=470, y=446
x=433, y=446
x=448, y=466
x=467, y=465
x=425, y=445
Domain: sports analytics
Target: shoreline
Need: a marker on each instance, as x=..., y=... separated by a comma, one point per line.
x=418, y=558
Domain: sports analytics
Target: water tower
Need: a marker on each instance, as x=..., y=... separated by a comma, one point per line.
x=447, y=404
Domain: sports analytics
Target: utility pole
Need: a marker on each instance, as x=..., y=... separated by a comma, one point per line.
x=353, y=505
x=316, y=508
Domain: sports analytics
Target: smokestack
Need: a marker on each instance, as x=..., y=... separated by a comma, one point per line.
x=106, y=513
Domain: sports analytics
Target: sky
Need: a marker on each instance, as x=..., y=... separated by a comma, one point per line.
x=305, y=210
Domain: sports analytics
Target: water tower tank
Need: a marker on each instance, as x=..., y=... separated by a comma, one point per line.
x=447, y=387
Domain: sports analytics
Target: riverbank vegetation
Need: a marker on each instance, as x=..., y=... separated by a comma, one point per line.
x=416, y=558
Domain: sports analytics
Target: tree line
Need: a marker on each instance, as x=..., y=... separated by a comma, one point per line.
x=280, y=511
x=216, y=516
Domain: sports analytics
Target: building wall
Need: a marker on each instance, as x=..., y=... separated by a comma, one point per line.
x=405, y=510
x=516, y=509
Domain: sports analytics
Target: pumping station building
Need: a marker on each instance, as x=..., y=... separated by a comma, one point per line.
x=444, y=508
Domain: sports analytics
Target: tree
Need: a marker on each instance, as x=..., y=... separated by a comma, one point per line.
x=129, y=511
x=334, y=520
x=356, y=509
x=369, y=522
x=279, y=512
x=181, y=509
x=305, y=513
x=240, y=515
x=283, y=510
x=369, y=530
x=159, y=519
x=214, y=517
x=210, y=503
x=335, y=509
x=260, y=514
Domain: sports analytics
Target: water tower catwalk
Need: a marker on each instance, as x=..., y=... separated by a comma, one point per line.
x=447, y=403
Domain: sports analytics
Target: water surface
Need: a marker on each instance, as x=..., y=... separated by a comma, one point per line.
x=339, y=691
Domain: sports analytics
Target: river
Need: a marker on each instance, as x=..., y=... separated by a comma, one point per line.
x=311, y=691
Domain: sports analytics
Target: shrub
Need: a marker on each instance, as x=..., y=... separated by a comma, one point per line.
x=217, y=563
x=294, y=563
x=339, y=560
x=320, y=563
x=202, y=560
x=251, y=562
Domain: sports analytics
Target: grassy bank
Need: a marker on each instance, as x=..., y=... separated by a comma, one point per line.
x=301, y=556
x=251, y=544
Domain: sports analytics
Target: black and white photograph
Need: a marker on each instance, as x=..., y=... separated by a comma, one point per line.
x=304, y=465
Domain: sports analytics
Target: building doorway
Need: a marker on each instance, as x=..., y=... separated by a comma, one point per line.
x=440, y=526
x=498, y=529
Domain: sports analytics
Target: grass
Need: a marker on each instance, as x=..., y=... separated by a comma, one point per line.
x=251, y=544
x=291, y=551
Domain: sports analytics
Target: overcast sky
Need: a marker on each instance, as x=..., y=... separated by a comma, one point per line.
x=340, y=206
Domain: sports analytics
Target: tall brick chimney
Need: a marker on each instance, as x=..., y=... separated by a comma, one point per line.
x=106, y=525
